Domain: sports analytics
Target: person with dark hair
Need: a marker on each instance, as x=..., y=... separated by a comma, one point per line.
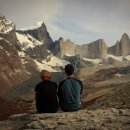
x=46, y=94
x=69, y=91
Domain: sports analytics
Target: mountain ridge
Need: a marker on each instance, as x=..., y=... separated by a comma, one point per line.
x=33, y=50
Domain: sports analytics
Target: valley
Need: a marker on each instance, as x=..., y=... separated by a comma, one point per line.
x=104, y=71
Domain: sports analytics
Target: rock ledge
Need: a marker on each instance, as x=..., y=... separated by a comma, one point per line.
x=109, y=119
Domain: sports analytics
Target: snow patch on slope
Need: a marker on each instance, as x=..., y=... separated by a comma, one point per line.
x=35, y=41
x=128, y=57
x=44, y=66
x=47, y=64
x=119, y=58
x=5, y=25
x=21, y=53
x=69, y=55
x=95, y=61
x=51, y=62
x=1, y=38
x=56, y=61
x=27, y=41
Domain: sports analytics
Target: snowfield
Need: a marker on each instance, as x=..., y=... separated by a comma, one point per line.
x=119, y=58
x=47, y=64
x=53, y=62
x=98, y=61
x=27, y=41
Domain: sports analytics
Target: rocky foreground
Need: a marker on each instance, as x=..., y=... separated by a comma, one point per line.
x=109, y=119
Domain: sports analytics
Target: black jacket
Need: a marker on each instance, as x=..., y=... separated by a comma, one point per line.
x=46, y=97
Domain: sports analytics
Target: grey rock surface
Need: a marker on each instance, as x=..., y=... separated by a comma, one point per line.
x=11, y=69
x=109, y=119
x=96, y=49
x=121, y=48
x=41, y=34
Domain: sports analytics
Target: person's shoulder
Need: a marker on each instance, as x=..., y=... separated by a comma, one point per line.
x=40, y=83
x=52, y=82
x=38, y=86
x=61, y=82
x=78, y=80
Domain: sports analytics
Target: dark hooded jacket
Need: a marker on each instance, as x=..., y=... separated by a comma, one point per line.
x=46, y=97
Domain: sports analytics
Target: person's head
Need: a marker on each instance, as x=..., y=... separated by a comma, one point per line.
x=45, y=75
x=69, y=69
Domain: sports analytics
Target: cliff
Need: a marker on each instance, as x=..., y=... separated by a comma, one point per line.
x=121, y=48
x=11, y=68
x=96, y=49
x=40, y=33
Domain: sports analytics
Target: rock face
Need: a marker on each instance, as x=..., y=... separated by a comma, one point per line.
x=24, y=53
x=115, y=50
x=96, y=49
x=121, y=48
x=40, y=33
x=32, y=47
x=83, y=119
x=125, y=45
x=40, y=39
x=11, y=69
x=7, y=30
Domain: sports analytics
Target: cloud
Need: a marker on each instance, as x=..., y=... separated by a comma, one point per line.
x=27, y=12
x=81, y=21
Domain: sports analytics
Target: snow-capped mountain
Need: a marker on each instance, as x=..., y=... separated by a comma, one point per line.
x=43, y=58
x=23, y=53
x=27, y=41
x=5, y=25
x=23, y=56
x=12, y=72
x=39, y=32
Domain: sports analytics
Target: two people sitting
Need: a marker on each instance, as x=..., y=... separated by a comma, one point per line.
x=69, y=91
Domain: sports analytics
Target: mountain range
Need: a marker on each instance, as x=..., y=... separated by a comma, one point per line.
x=104, y=71
x=25, y=52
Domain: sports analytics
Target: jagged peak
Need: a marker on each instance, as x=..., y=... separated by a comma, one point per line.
x=61, y=39
x=39, y=23
x=99, y=41
x=5, y=25
x=68, y=40
x=2, y=16
x=117, y=42
x=125, y=35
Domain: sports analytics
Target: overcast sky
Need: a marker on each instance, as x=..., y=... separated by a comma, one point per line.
x=82, y=21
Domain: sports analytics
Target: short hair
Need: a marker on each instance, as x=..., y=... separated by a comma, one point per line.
x=69, y=69
x=45, y=74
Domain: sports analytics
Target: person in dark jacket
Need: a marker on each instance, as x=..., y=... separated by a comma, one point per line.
x=46, y=94
x=69, y=91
